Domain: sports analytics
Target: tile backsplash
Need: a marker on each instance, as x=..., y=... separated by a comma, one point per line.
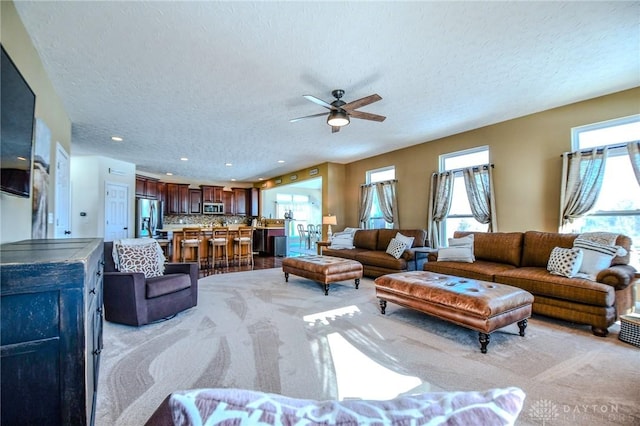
x=205, y=219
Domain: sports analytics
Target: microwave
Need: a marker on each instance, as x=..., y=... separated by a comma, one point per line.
x=213, y=208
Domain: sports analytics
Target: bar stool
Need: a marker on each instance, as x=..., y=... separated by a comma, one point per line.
x=243, y=246
x=218, y=247
x=191, y=239
x=164, y=245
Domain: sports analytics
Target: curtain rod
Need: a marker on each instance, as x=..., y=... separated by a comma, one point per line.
x=382, y=182
x=598, y=149
x=454, y=171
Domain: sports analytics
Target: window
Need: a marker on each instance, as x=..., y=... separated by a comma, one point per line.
x=299, y=206
x=376, y=220
x=617, y=208
x=460, y=217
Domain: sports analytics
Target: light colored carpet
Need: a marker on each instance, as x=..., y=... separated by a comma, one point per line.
x=252, y=330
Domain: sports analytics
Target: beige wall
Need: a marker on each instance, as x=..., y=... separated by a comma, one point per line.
x=526, y=153
x=15, y=212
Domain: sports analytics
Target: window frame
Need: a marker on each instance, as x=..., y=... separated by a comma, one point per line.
x=457, y=174
x=374, y=221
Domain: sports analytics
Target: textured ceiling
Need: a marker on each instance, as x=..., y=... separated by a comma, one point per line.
x=218, y=82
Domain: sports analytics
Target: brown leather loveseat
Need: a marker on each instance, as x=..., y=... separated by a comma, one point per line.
x=370, y=251
x=520, y=260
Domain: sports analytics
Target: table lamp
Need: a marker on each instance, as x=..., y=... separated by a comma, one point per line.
x=329, y=220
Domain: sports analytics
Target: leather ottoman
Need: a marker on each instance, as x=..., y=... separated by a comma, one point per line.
x=323, y=269
x=479, y=305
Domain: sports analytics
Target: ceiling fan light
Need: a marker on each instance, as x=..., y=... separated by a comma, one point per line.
x=338, y=118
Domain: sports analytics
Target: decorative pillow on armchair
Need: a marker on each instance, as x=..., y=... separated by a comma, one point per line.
x=144, y=256
x=245, y=407
x=396, y=248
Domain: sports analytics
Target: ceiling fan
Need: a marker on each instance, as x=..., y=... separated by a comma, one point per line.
x=340, y=111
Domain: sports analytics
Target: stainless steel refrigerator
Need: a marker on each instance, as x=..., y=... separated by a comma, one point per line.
x=148, y=217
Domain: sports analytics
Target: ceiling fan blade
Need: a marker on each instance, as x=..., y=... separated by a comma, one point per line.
x=366, y=116
x=335, y=129
x=318, y=101
x=361, y=102
x=293, y=120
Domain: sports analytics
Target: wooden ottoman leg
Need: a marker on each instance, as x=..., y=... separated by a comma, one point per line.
x=326, y=289
x=383, y=306
x=357, y=283
x=522, y=325
x=484, y=341
x=286, y=277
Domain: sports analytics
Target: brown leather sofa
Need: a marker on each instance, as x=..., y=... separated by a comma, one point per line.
x=520, y=260
x=130, y=298
x=370, y=250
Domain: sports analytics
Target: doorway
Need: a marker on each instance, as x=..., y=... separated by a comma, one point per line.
x=62, y=227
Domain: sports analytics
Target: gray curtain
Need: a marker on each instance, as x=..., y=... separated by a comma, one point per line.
x=582, y=179
x=388, y=202
x=366, y=200
x=634, y=156
x=439, y=205
x=478, y=182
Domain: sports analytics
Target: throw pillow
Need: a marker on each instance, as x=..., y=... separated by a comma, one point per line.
x=396, y=248
x=466, y=241
x=456, y=254
x=141, y=258
x=239, y=407
x=596, y=256
x=407, y=240
x=565, y=261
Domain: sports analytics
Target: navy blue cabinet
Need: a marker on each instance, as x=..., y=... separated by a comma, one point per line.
x=51, y=330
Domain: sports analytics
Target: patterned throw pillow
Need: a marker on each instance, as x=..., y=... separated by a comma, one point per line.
x=596, y=256
x=141, y=258
x=407, y=240
x=396, y=248
x=240, y=407
x=565, y=261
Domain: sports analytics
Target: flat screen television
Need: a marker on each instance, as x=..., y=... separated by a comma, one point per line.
x=18, y=104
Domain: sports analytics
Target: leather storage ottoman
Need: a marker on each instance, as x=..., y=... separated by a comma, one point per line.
x=323, y=269
x=479, y=305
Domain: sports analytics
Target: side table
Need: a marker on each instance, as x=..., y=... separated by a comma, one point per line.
x=424, y=251
x=321, y=244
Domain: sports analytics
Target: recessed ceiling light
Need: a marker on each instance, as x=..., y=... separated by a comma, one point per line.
x=184, y=159
x=169, y=174
x=280, y=161
x=233, y=180
x=260, y=178
x=228, y=164
x=116, y=138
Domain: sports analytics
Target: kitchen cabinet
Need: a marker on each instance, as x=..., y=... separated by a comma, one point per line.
x=254, y=202
x=177, y=198
x=229, y=205
x=51, y=315
x=146, y=187
x=264, y=240
x=162, y=196
x=239, y=201
x=211, y=194
x=195, y=201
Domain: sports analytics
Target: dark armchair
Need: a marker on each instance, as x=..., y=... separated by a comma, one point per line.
x=130, y=298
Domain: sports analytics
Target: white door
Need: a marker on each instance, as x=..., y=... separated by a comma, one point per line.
x=116, y=213
x=62, y=228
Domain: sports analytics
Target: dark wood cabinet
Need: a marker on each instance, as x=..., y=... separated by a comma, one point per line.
x=146, y=187
x=177, y=198
x=254, y=202
x=195, y=201
x=162, y=196
x=211, y=194
x=51, y=337
x=239, y=205
x=229, y=205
